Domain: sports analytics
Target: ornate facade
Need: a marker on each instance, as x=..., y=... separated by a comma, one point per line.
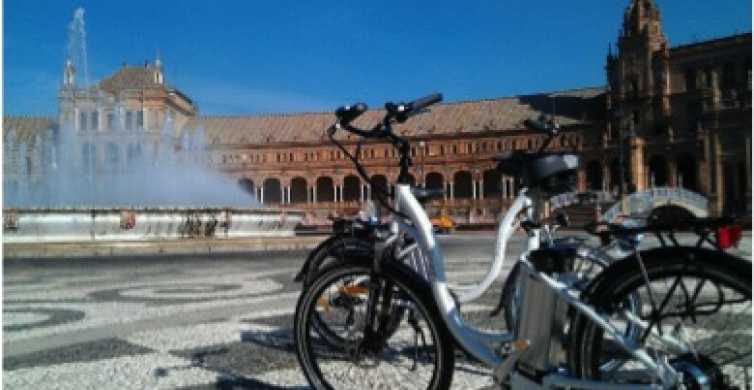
x=669, y=116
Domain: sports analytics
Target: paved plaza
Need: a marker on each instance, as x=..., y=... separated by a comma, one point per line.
x=183, y=322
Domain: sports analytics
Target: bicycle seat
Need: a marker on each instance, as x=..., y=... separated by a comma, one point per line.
x=553, y=172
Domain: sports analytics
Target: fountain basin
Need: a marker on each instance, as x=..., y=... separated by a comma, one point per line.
x=81, y=225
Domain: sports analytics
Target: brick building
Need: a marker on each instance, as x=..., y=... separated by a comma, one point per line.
x=668, y=116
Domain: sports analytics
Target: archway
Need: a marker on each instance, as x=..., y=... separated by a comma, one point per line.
x=434, y=180
x=594, y=176
x=325, y=190
x=462, y=184
x=658, y=171
x=686, y=166
x=351, y=188
x=271, y=188
x=615, y=169
x=492, y=183
x=379, y=184
x=247, y=185
x=299, y=190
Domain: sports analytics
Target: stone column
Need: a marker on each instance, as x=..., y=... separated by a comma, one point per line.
x=361, y=192
x=704, y=173
x=452, y=192
x=581, y=180
x=146, y=119
x=715, y=74
x=100, y=119
x=261, y=194
x=481, y=188
x=76, y=121
x=718, y=166
x=636, y=159
x=672, y=173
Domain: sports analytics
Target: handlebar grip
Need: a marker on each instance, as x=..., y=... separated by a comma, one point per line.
x=426, y=101
x=347, y=114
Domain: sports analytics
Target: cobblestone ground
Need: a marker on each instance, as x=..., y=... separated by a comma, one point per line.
x=186, y=323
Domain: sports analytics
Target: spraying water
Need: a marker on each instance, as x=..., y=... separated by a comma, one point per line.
x=71, y=170
x=63, y=167
x=76, y=48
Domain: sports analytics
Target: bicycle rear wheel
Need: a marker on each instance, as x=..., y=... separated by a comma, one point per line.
x=417, y=354
x=701, y=298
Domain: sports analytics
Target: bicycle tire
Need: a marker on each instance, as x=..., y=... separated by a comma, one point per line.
x=679, y=265
x=411, y=288
x=339, y=251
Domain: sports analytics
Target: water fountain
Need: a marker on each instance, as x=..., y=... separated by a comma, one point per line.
x=66, y=184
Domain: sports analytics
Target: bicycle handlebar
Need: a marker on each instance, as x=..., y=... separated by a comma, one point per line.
x=422, y=103
x=394, y=113
x=402, y=111
x=348, y=114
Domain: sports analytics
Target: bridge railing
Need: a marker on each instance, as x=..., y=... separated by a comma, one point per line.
x=640, y=204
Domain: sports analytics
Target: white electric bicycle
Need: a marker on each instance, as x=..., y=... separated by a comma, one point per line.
x=669, y=317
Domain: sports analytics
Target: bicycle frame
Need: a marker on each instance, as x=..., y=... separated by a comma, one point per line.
x=483, y=345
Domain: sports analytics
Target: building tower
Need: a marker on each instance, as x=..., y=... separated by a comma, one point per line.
x=639, y=89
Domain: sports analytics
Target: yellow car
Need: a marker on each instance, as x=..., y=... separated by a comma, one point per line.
x=443, y=224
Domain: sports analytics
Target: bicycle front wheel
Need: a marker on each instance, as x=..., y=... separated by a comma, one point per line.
x=417, y=354
x=694, y=314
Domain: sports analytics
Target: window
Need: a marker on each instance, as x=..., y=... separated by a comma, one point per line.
x=95, y=120
x=690, y=76
x=82, y=121
x=112, y=154
x=729, y=75
x=110, y=121
x=140, y=119
x=129, y=120
x=634, y=88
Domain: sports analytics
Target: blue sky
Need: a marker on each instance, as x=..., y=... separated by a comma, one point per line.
x=245, y=57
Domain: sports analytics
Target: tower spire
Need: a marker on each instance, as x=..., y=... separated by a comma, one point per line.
x=158, y=76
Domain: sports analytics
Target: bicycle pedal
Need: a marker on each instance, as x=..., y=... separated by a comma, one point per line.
x=517, y=349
